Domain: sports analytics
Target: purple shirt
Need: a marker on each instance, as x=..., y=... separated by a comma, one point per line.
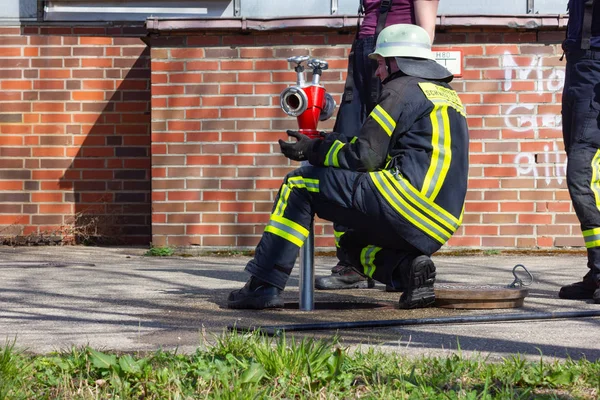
x=401, y=12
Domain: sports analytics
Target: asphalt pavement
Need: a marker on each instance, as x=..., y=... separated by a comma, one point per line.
x=117, y=299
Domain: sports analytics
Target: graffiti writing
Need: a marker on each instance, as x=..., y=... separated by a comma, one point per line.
x=553, y=83
x=523, y=117
x=548, y=164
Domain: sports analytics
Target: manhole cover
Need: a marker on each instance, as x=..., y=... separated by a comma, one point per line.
x=479, y=296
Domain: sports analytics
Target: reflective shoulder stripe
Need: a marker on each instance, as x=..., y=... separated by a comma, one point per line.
x=408, y=211
x=331, y=159
x=441, y=95
x=383, y=118
x=354, y=139
x=367, y=259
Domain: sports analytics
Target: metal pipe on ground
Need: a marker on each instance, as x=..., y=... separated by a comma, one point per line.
x=274, y=330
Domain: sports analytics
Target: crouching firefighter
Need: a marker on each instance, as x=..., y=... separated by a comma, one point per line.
x=399, y=187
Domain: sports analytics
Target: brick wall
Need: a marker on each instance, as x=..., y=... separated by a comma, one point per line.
x=216, y=119
x=74, y=135
x=76, y=143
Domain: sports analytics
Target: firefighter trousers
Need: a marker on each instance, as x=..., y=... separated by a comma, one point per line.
x=581, y=135
x=372, y=240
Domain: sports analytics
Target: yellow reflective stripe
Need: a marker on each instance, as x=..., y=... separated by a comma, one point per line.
x=354, y=139
x=285, y=235
x=589, y=245
x=388, y=159
x=460, y=110
x=417, y=218
x=591, y=237
x=331, y=159
x=367, y=259
x=435, y=137
x=591, y=232
x=283, y=227
x=293, y=225
x=287, y=229
x=312, y=185
x=442, y=152
x=282, y=201
x=426, y=205
x=383, y=118
x=338, y=235
x=595, y=184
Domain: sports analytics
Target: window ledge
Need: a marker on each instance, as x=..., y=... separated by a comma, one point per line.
x=174, y=26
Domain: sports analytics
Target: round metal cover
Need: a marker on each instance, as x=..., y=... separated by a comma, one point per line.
x=478, y=296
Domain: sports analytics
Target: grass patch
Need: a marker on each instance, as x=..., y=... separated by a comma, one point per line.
x=160, y=251
x=251, y=366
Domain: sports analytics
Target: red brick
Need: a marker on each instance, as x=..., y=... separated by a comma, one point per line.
x=56, y=209
x=219, y=196
x=184, y=102
x=203, y=113
x=202, y=160
x=55, y=73
x=187, y=53
x=184, y=196
x=15, y=85
x=201, y=66
x=10, y=185
x=88, y=95
x=46, y=197
x=168, y=66
x=11, y=140
x=10, y=51
x=202, y=229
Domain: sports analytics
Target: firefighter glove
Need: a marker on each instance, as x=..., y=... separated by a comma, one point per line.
x=297, y=151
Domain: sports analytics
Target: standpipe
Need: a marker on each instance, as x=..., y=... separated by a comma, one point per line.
x=309, y=104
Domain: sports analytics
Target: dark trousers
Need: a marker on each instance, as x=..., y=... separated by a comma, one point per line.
x=581, y=135
x=372, y=242
x=366, y=88
x=355, y=109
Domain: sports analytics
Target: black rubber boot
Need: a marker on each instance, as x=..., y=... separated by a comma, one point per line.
x=596, y=296
x=256, y=295
x=343, y=277
x=584, y=290
x=420, y=293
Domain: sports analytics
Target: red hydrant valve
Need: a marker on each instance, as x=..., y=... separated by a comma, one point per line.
x=308, y=103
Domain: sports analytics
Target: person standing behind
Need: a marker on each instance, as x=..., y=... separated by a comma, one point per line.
x=361, y=93
x=581, y=135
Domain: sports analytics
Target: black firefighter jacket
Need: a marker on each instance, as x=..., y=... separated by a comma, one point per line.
x=415, y=147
